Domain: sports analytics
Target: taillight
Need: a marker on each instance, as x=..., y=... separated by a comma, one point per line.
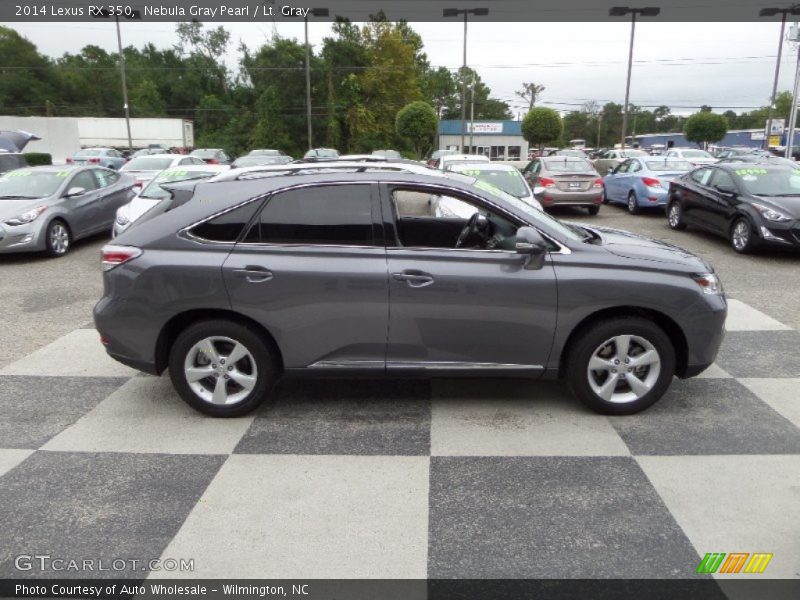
x=137, y=183
x=212, y=161
x=94, y=161
x=547, y=182
x=598, y=183
x=651, y=182
x=69, y=161
x=113, y=256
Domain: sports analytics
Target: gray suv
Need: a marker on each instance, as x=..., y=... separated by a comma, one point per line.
x=397, y=274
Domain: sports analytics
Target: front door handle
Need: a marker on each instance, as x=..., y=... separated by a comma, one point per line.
x=414, y=278
x=254, y=274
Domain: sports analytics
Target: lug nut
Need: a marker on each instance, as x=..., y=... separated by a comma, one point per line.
x=627, y=360
x=230, y=368
x=613, y=370
x=222, y=361
x=226, y=377
x=616, y=362
x=213, y=366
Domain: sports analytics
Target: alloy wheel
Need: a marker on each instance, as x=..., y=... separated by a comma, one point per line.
x=220, y=370
x=59, y=238
x=741, y=235
x=674, y=214
x=623, y=369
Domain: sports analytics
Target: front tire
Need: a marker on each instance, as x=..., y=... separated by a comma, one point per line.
x=633, y=203
x=621, y=366
x=222, y=368
x=742, y=237
x=593, y=210
x=58, y=239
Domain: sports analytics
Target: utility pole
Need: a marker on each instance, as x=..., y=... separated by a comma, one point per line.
x=794, y=35
x=317, y=12
x=771, y=12
x=472, y=116
x=124, y=85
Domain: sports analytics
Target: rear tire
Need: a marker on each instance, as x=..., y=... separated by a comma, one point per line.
x=617, y=387
x=633, y=203
x=605, y=196
x=675, y=216
x=593, y=210
x=199, y=373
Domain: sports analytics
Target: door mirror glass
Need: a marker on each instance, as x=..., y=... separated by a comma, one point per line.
x=726, y=188
x=75, y=191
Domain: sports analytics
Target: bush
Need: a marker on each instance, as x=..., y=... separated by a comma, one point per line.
x=541, y=126
x=417, y=122
x=705, y=127
x=38, y=158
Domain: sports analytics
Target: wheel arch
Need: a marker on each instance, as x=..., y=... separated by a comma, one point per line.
x=172, y=328
x=666, y=323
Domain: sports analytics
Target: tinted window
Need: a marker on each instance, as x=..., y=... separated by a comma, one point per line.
x=83, y=180
x=623, y=168
x=10, y=162
x=106, y=177
x=227, y=227
x=723, y=180
x=702, y=176
x=333, y=214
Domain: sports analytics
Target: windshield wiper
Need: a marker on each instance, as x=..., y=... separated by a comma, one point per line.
x=20, y=197
x=780, y=195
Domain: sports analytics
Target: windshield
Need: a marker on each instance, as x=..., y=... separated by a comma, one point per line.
x=154, y=189
x=24, y=183
x=570, y=165
x=322, y=153
x=148, y=163
x=534, y=214
x=696, y=154
x=89, y=153
x=633, y=153
x=669, y=165
x=770, y=181
x=252, y=161
x=508, y=180
x=205, y=153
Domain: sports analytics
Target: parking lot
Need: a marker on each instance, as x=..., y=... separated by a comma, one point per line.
x=399, y=479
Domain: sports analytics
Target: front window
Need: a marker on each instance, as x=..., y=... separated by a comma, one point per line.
x=24, y=183
x=83, y=153
x=156, y=192
x=669, y=165
x=770, y=182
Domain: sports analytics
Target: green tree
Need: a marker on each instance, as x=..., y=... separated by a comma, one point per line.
x=541, y=126
x=705, y=127
x=145, y=100
x=417, y=122
x=29, y=81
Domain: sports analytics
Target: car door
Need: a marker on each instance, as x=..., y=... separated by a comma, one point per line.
x=112, y=194
x=459, y=308
x=722, y=200
x=312, y=270
x=614, y=181
x=85, y=210
x=694, y=197
x=532, y=172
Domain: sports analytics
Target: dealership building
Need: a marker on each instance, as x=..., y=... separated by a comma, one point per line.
x=500, y=140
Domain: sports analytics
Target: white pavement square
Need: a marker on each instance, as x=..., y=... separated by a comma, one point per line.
x=743, y=317
x=266, y=516
x=77, y=354
x=734, y=504
x=147, y=415
x=783, y=395
x=11, y=458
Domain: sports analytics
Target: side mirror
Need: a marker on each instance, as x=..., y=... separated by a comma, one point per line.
x=727, y=190
x=610, y=170
x=532, y=246
x=538, y=190
x=75, y=191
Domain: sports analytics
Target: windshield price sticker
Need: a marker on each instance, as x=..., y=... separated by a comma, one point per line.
x=751, y=172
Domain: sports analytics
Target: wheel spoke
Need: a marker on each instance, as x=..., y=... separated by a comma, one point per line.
x=207, y=347
x=197, y=373
x=600, y=364
x=648, y=358
x=248, y=382
x=623, y=343
x=237, y=354
x=220, y=391
x=638, y=387
x=607, y=389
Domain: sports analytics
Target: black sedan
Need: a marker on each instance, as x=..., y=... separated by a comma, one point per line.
x=749, y=204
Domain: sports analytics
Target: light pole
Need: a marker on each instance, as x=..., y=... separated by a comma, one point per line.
x=454, y=12
x=471, y=114
x=794, y=36
x=105, y=14
x=316, y=12
x=771, y=12
x=621, y=11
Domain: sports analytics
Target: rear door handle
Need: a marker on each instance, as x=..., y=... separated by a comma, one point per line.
x=414, y=278
x=254, y=274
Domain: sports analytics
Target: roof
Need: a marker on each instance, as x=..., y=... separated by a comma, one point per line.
x=506, y=127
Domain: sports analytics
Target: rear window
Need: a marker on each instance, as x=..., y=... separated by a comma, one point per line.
x=669, y=165
x=571, y=165
x=228, y=226
x=9, y=162
x=696, y=154
x=508, y=180
x=205, y=153
x=148, y=163
x=89, y=153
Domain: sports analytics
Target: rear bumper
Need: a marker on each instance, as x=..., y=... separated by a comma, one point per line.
x=560, y=198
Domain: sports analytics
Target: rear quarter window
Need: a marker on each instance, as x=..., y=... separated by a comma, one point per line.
x=228, y=226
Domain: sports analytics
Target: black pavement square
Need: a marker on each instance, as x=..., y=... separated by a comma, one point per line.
x=34, y=409
x=708, y=416
x=761, y=353
x=551, y=517
x=361, y=417
x=92, y=506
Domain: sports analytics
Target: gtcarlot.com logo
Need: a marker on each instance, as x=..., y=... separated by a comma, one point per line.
x=46, y=562
x=734, y=562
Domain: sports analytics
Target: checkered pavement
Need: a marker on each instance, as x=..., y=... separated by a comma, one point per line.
x=404, y=479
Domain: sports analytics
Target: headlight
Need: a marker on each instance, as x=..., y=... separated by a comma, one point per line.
x=709, y=282
x=27, y=217
x=771, y=214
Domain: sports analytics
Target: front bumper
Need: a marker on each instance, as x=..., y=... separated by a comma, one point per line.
x=779, y=235
x=29, y=237
x=704, y=331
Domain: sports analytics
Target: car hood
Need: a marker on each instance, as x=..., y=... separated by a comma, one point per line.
x=138, y=206
x=787, y=204
x=631, y=245
x=13, y=208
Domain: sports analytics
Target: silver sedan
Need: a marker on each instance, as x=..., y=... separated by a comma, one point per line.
x=47, y=208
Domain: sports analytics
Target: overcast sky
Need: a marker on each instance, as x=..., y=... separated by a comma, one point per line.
x=682, y=65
